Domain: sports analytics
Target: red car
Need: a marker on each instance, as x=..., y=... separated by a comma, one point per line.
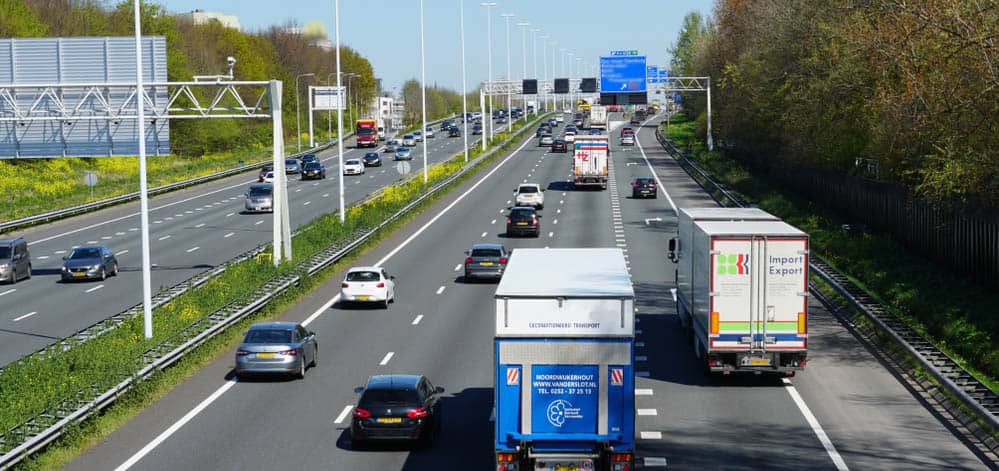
x=627, y=131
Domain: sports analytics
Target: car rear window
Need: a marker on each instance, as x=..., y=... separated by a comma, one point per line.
x=528, y=189
x=268, y=336
x=363, y=276
x=389, y=396
x=520, y=215
x=485, y=252
x=260, y=191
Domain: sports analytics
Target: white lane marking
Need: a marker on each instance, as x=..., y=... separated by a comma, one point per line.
x=199, y=226
x=643, y=392
x=343, y=414
x=123, y=252
x=648, y=412
x=158, y=221
x=192, y=249
x=306, y=203
x=558, y=211
x=230, y=214
x=60, y=251
x=176, y=426
x=418, y=319
x=441, y=289
x=816, y=427
x=168, y=218
x=508, y=201
x=484, y=234
x=654, y=461
x=554, y=221
x=8, y=291
x=645, y=435
x=388, y=356
x=91, y=242
x=43, y=257
x=298, y=190
x=457, y=267
x=16, y=319
x=95, y=288
x=652, y=170
x=164, y=237
x=326, y=195
x=258, y=223
x=494, y=222
x=119, y=233
x=563, y=193
x=178, y=215
x=561, y=201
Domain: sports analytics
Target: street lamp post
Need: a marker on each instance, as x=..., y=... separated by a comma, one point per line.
x=509, y=95
x=523, y=58
x=544, y=62
x=329, y=113
x=423, y=97
x=298, y=112
x=464, y=90
x=339, y=107
x=489, y=49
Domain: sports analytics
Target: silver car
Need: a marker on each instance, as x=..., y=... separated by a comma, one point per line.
x=277, y=348
x=546, y=140
x=392, y=145
x=90, y=262
x=259, y=198
x=418, y=136
x=403, y=153
x=409, y=140
x=292, y=166
x=485, y=261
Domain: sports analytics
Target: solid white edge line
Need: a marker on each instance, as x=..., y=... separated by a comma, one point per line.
x=176, y=426
x=343, y=414
x=816, y=427
x=653, y=170
x=388, y=357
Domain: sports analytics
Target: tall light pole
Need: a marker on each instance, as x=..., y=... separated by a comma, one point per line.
x=329, y=113
x=554, y=73
x=571, y=95
x=544, y=62
x=509, y=95
x=464, y=90
x=423, y=97
x=298, y=112
x=523, y=58
x=339, y=107
x=147, y=290
x=350, y=109
x=535, y=31
x=489, y=50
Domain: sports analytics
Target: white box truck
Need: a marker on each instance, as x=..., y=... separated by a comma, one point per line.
x=598, y=117
x=564, y=373
x=589, y=161
x=742, y=289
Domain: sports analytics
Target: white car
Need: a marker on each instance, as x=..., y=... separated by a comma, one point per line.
x=353, y=167
x=569, y=136
x=529, y=194
x=559, y=118
x=392, y=144
x=268, y=177
x=367, y=285
x=418, y=136
x=409, y=140
x=430, y=132
x=628, y=140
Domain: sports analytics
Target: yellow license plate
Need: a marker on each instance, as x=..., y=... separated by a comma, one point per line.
x=565, y=467
x=759, y=362
x=390, y=420
x=521, y=223
x=79, y=275
x=265, y=355
x=363, y=298
x=486, y=264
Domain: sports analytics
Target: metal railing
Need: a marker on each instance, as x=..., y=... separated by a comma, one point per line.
x=33, y=435
x=971, y=392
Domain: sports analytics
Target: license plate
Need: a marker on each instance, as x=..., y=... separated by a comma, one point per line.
x=565, y=467
x=390, y=420
x=486, y=264
x=79, y=275
x=363, y=298
x=265, y=355
x=521, y=223
x=759, y=362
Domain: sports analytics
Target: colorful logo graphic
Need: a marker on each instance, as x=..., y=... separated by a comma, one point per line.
x=732, y=264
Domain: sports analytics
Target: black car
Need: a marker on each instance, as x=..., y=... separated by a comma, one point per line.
x=309, y=158
x=643, y=187
x=477, y=129
x=559, y=145
x=396, y=407
x=89, y=262
x=372, y=159
x=486, y=261
x=523, y=220
x=314, y=171
x=454, y=131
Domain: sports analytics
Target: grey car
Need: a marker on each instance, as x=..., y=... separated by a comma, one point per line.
x=15, y=261
x=259, y=198
x=486, y=261
x=292, y=166
x=546, y=140
x=277, y=348
x=89, y=262
x=403, y=153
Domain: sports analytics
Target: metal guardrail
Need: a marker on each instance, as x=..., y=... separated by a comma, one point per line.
x=972, y=393
x=33, y=435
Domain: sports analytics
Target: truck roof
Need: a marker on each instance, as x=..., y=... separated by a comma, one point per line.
x=582, y=273
x=721, y=214
x=739, y=228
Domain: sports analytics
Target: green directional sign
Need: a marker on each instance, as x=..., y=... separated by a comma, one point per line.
x=632, y=52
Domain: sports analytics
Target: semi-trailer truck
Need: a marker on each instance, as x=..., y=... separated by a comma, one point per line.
x=564, y=371
x=742, y=289
x=598, y=117
x=589, y=161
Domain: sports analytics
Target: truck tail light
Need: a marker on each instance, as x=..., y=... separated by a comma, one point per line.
x=715, y=322
x=506, y=457
x=802, y=326
x=620, y=457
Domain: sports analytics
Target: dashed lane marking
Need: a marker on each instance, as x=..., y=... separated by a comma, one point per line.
x=441, y=289
x=484, y=234
x=20, y=318
x=8, y=291
x=199, y=226
x=228, y=235
x=648, y=412
x=123, y=252
x=343, y=414
x=95, y=288
x=306, y=203
x=647, y=435
x=230, y=214
x=388, y=357
x=164, y=237
x=258, y=222
x=457, y=267
x=643, y=392
x=192, y=249
x=417, y=320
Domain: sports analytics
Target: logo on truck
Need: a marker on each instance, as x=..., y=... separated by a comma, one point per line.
x=559, y=410
x=732, y=264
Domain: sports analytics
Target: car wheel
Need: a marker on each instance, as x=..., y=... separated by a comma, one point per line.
x=301, y=370
x=13, y=277
x=28, y=277
x=114, y=271
x=104, y=274
x=315, y=355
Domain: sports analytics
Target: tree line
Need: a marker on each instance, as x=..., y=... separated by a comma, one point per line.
x=905, y=92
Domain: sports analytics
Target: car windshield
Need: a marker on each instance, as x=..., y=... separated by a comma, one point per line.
x=388, y=396
x=402, y=150
x=408, y=136
x=268, y=336
x=260, y=191
x=528, y=189
x=353, y=162
x=4, y=253
x=485, y=252
x=363, y=276
x=267, y=169
x=312, y=166
x=371, y=155
x=365, y=131
x=79, y=254
x=290, y=162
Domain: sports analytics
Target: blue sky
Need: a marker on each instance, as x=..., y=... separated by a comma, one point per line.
x=387, y=31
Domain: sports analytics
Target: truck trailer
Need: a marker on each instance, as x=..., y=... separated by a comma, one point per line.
x=742, y=289
x=598, y=117
x=564, y=371
x=589, y=161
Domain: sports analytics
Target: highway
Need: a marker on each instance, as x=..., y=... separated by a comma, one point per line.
x=844, y=411
x=191, y=230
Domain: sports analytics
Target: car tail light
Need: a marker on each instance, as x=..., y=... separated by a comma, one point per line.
x=418, y=413
x=242, y=353
x=468, y=260
x=634, y=185
x=344, y=285
x=380, y=285
x=361, y=413
x=503, y=260
x=508, y=220
x=534, y=220
x=652, y=185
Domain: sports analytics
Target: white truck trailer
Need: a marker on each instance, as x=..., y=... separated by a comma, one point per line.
x=742, y=287
x=598, y=117
x=589, y=161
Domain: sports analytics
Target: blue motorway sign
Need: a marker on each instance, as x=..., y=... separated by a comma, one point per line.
x=564, y=398
x=622, y=74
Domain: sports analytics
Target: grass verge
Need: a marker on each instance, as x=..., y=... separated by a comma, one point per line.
x=949, y=310
x=57, y=376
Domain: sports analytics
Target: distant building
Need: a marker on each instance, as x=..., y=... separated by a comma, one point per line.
x=398, y=108
x=200, y=17
x=381, y=109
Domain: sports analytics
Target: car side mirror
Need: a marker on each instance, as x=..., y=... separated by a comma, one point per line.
x=439, y=390
x=65, y=257
x=312, y=334
x=359, y=389
x=468, y=252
